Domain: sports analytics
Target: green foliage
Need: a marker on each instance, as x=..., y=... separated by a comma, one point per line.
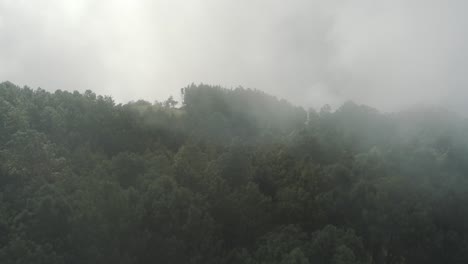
x=227, y=176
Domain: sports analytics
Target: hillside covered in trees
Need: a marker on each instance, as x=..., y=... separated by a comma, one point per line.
x=227, y=176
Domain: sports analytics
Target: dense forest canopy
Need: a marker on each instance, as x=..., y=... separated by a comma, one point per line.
x=227, y=176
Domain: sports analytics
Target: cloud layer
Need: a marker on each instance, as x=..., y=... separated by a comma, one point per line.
x=388, y=54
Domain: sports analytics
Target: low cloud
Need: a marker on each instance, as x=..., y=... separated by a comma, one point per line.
x=387, y=54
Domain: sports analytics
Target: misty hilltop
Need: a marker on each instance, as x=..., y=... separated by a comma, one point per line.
x=388, y=54
x=227, y=176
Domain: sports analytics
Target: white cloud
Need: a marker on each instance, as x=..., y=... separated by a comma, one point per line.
x=388, y=54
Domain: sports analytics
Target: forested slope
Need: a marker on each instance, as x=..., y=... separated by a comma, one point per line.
x=228, y=176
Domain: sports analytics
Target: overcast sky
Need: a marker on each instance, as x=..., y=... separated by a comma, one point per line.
x=387, y=54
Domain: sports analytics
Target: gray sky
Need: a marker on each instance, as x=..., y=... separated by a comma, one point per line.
x=388, y=54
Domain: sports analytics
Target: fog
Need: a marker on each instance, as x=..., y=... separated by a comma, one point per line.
x=387, y=54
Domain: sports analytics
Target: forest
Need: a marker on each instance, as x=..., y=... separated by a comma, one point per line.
x=228, y=176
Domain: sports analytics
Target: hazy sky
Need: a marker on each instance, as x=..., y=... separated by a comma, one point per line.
x=388, y=54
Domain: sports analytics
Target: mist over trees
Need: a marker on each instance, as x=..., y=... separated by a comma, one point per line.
x=227, y=176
